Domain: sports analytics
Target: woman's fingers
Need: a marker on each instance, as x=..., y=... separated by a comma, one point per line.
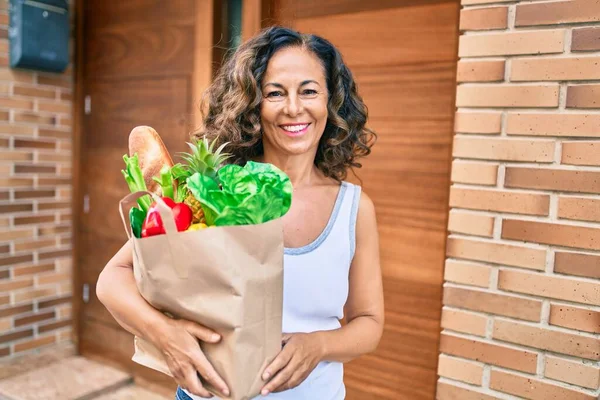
x=202, y=332
x=193, y=384
x=209, y=374
x=282, y=377
x=282, y=359
x=292, y=382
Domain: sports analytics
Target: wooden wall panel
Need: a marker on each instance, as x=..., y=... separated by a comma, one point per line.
x=397, y=36
x=144, y=60
x=294, y=9
x=403, y=56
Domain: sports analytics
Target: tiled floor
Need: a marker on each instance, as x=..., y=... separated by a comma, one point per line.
x=59, y=374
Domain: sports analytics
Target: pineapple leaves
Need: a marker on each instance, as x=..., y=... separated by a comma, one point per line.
x=254, y=194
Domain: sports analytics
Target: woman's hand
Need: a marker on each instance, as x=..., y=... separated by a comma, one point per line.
x=178, y=341
x=298, y=358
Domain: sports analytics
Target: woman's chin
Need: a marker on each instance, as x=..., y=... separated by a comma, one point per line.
x=295, y=147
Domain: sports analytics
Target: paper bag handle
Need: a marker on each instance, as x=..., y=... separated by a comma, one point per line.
x=166, y=215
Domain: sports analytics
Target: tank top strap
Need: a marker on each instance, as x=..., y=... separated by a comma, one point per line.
x=345, y=222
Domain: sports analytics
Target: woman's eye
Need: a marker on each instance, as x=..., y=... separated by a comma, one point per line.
x=274, y=94
x=309, y=92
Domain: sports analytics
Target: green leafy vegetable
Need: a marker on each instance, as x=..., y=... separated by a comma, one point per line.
x=135, y=180
x=165, y=181
x=136, y=219
x=254, y=194
x=180, y=173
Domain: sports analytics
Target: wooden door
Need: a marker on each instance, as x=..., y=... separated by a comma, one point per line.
x=138, y=69
x=403, y=56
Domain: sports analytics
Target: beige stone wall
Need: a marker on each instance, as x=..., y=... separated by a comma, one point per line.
x=521, y=300
x=35, y=205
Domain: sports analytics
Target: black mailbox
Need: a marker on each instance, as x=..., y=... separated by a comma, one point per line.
x=39, y=35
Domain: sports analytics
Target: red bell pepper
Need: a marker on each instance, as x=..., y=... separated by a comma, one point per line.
x=153, y=224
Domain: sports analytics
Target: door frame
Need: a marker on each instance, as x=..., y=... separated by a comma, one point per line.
x=205, y=31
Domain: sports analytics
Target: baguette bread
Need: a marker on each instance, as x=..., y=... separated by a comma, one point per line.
x=152, y=153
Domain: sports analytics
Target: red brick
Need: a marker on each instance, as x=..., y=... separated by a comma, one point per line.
x=579, y=208
x=500, y=200
x=34, y=343
x=15, y=208
x=30, y=117
x=586, y=39
x=16, y=259
x=553, y=179
x=460, y=370
x=582, y=237
x=489, y=353
x=470, y=223
x=546, y=339
x=504, y=149
x=474, y=172
x=34, y=92
x=484, y=18
x=482, y=123
x=16, y=310
x=497, y=253
x=575, y=373
x=583, y=96
x=480, y=71
x=551, y=286
x=557, y=12
x=542, y=96
x=532, y=388
x=31, y=319
x=581, y=153
x=579, y=264
x=555, y=69
x=577, y=318
x=464, y=321
x=492, y=303
x=447, y=391
x=512, y=43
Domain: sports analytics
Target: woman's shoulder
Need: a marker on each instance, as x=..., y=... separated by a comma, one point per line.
x=366, y=210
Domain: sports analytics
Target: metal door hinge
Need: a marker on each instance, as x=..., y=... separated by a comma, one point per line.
x=86, y=204
x=86, y=293
x=87, y=108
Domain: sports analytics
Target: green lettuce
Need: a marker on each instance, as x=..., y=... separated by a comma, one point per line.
x=253, y=194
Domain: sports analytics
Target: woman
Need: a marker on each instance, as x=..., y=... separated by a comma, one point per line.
x=286, y=99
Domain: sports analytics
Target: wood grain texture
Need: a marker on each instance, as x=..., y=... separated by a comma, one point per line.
x=403, y=58
x=136, y=51
x=293, y=9
x=396, y=36
x=138, y=69
x=138, y=12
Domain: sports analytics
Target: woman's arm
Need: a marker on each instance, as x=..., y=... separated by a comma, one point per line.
x=364, y=308
x=177, y=339
x=364, y=313
x=117, y=290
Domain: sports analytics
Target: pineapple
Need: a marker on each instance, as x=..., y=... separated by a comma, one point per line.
x=207, y=161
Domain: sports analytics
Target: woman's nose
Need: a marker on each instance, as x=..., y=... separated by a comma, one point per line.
x=293, y=105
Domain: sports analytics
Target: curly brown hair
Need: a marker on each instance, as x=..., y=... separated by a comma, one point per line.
x=233, y=111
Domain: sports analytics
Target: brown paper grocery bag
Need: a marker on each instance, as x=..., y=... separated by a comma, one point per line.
x=229, y=279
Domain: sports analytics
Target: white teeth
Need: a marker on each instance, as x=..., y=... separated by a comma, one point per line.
x=295, y=128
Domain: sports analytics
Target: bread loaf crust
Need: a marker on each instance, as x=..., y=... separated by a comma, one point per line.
x=152, y=154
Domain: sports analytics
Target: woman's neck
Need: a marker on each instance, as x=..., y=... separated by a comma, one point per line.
x=300, y=168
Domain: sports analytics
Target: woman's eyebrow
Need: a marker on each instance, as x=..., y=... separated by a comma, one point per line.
x=279, y=85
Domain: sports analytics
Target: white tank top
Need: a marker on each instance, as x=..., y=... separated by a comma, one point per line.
x=315, y=290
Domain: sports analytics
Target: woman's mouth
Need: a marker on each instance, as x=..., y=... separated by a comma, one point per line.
x=294, y=130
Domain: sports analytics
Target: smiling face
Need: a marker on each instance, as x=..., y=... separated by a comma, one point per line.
x=294, y=107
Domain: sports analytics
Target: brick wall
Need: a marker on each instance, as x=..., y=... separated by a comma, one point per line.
x=35, y=205
x=521, y=312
